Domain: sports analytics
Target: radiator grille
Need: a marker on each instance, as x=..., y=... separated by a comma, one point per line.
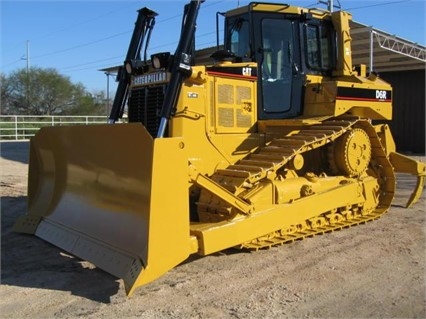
x=226, y=116
x=144, y=106
x=225, y=94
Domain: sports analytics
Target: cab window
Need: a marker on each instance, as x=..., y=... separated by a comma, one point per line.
x=238, y=37
x=319, y=46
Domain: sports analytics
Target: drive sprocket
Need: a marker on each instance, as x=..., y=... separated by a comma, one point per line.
x=352, y=152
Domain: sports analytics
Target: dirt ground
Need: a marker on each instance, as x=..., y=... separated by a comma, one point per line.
x=376, y=270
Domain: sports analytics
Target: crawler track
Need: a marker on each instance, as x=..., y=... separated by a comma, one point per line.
x=282, y=151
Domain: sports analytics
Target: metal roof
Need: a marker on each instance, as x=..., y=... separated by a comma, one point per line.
x=384, y=51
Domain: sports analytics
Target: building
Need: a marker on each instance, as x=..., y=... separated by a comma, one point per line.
x=402, y=64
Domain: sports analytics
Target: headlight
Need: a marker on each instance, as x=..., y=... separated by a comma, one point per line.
x=160, y=60
x=128, y=67
x=135, y=67
x=156, y=63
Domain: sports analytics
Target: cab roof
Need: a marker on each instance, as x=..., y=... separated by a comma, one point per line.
x=277, y=8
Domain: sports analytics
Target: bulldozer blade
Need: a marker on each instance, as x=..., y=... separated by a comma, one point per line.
x=408, y=165
x=110, y=195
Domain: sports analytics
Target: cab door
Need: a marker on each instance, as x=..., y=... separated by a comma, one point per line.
x=278, y=57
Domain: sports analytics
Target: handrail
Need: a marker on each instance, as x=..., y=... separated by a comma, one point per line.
x=22, y=127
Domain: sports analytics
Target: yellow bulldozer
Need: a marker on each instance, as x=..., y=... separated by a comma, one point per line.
x=271, y=142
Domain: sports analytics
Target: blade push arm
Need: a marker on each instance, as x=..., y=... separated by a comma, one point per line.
x=181, y=66
x=143, y=27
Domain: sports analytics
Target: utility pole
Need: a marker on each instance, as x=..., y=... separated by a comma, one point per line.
x=28, y=74
x=330, y=4
x=28, y=56
x=27, y=82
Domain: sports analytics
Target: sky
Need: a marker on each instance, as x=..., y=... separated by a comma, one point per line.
x=78, y=38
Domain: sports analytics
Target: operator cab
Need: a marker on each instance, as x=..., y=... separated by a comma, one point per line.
x=287, y=43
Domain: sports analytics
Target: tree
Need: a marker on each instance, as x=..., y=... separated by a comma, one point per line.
x=88, y=104
x=5, y=96
x=44, y=92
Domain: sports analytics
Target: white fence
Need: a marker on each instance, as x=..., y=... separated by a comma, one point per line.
x=22, y=127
